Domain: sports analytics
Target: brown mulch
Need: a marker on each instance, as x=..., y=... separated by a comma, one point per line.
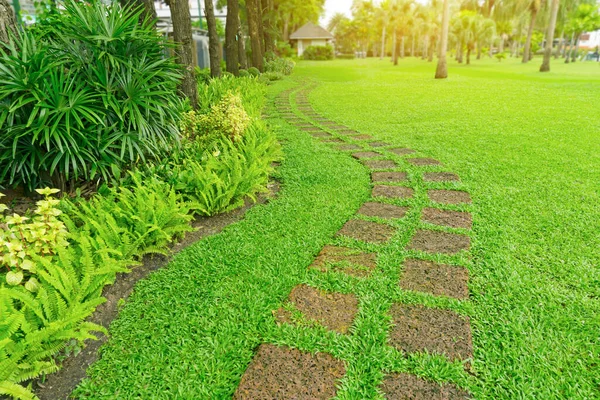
x=335, y=311
x=392, y=192
x=421, y=162
x=449, y=196
x=418, y=328
x=404, y=386
x=453, y=219
x=440, y=177
x=382, y=210
x=379, y=164
x=439, y=242
x=367, y=231
x=434, y=278
x=393, y=176
x=286, y=373
x=350, y=261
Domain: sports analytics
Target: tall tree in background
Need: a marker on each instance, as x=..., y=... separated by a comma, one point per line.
x=242, y=46
x=256, y=39
x=268, y=16
x=534, y=8
x=147, y=7
x=441, y=71
x=545, y=67
x=8, y=22
x=231, y=37
x=214, y=44
x=182, y=34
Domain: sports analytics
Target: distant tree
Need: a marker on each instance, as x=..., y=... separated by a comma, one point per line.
x=534, y=8
x=254, y=30
x=545, y=67
x=8, y=22
x=585, y=18
x=441, y=71
x=232, y=37
x=214, y=43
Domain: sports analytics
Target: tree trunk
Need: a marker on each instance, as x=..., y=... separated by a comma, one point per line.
x=402, y=47
x=545, y=67
x=286, y=28
x=8, y=22
x=412, y=47
x=468, y=55
x=242, y=46
x=214, y=44
x=432, y=44
x=382, y=43
x=182, y=35
x=394, y=53
x=576, y=52
x=267, y=7
x=568, y=49
x=441, y=71
x=147, y=7
x=396, y=49
x=526, y=52
x=479, y=51
x=561, y=43
x=255, y=36
x=459, y=55
x=231, y=37
x=501, y=45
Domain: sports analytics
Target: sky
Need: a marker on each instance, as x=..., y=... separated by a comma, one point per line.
x=335, y=6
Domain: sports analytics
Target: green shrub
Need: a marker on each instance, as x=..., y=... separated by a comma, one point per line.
x=131, y=221
x=25, y=239
x=251, y=92
x=254, y=71
x=500, y=56
x=345, y=56
x=284, y=49
x=318, y=53
x=227, y=118
x=120, y=89
x=218, y=179
x=273, y=76
x=244, y=73
x=283, y=66
x=203, y=76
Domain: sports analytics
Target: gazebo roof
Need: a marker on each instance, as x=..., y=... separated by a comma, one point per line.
x=311, y=31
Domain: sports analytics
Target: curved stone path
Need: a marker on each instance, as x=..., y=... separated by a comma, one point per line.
x=413, y=197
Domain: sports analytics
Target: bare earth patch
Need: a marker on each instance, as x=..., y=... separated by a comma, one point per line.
x=367, y=231
x=365, y=154
x=393, y=176
x=449, y=196
x=379, y=164
x=401, y=151
x=382, y=210
x=440, y=177
x=350, y=261
x=286, y=373
x=410, y=387
x=335, y=311
x=453, y=219
x=421, y=162
x=392, y=192
x=437, y=279
x=418, y=329
x=439, y=242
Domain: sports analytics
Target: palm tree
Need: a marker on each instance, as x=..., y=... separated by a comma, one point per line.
x=441, y=71
x=534, y=8
x=382, y=16
x=485, y=29
x=545, y=67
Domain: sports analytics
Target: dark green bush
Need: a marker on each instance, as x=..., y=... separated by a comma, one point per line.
x=284, y=49
x=254, y=71
x=318, y=53
x=345, y=56
x=92, y=97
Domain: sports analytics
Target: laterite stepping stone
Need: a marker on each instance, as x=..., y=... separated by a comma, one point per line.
x=393, y=176
x=321, y=135
x=453, y=219
x=392, y=192
x=285, y=373
x=365, y=154
x=379, y=164
x=410, y=387
x=362, y=137
x=348, y=132
x=437, y=279
x=349, y=146
x=312, y=129
x=367, y=231
x=439, y=242
x=338, y=127
x=382, y=210
x=418, y=329
x=378, y=144
x=449, y=196
x=335, y=311
x=421, y=162
x=440, y=177
x=350, y=261
x=401, y=151
x=333, y=140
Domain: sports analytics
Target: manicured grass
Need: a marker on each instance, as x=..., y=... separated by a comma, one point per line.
x=526, y=147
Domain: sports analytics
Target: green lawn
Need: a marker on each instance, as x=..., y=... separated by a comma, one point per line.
x=527, y=148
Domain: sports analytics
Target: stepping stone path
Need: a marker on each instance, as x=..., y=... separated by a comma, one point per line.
x=285, y=372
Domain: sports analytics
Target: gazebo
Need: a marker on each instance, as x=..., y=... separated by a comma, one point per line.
x=310, y=35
